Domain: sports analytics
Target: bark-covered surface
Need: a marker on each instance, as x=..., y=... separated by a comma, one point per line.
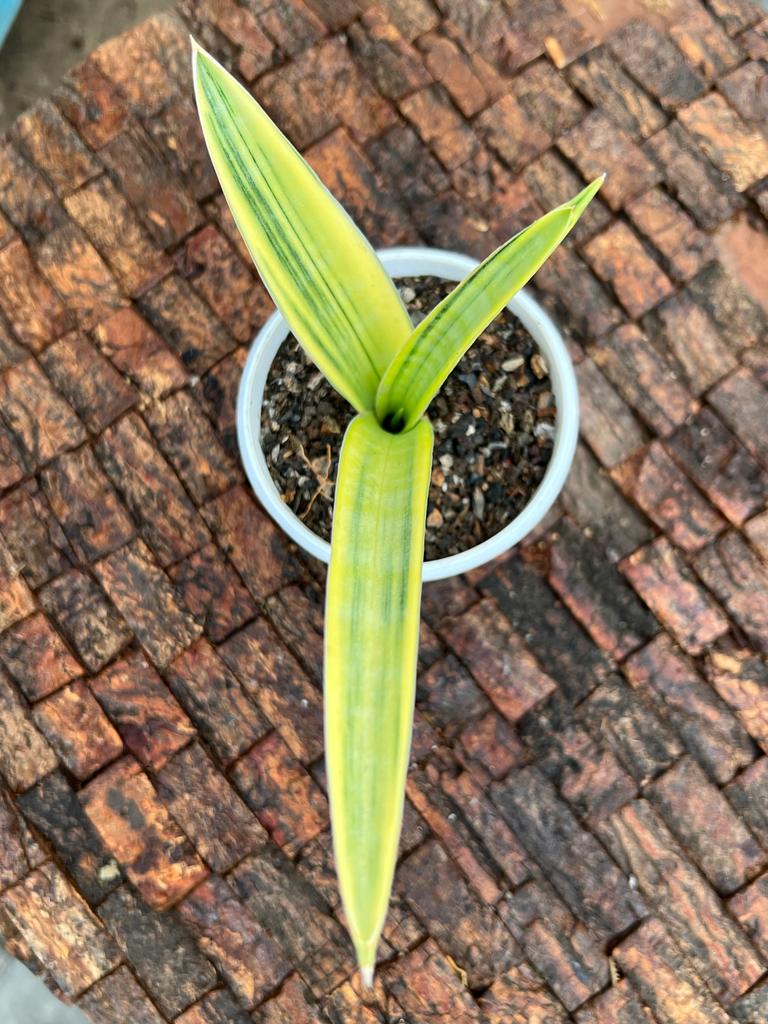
x=586, y=834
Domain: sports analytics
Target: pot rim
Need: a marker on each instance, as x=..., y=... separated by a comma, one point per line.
x=415, y=261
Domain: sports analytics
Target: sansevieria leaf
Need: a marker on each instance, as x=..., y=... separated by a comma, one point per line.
x=318, y=267
x=371, y=644
x=421, y=366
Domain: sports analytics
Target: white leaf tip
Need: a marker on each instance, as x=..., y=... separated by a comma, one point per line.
x=366, y=977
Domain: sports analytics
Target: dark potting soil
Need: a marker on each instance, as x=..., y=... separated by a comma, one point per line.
x=493, y=420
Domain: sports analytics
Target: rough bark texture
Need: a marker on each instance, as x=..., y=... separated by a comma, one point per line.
x=586, y=833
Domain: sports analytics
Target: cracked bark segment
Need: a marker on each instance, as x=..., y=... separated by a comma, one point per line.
x=53, y=808
x=741, y=679
x=748, y=794
x=498, y=660
x=734, y=147
x=402, y=160
x=42, y=422
x=215, y=701
x=577, y=866
x=151, y=722
x=140, y=353
x=521, y=997
x=709, y=730
x=87, y=620
x=57, y=925
x=219, y=1008
x=296, y=916
x=37, y=658
x=471, y=801
x=78, y=729
x=740, y=399
x=547, y=100
x=685, y=904
x=665, y=979
x=16, y=599
x=279, y=686
x=79, y=275
x=220, y=825
x=297, y=615
x=219, y=395
x=178, y=135
x=596, y=145
x=227, y=283
x=586, y=773
x=160, y=949
x=142, y=62
x=143, y=594
x=165, y=208
x=186, y=323
x=703, y=41
x=91, y=103
x=387, y=58
x=281, y=794
x=425, y=986
x=627, y=724
x=739, y=579
x=670, y=590
x=655, y=62
x=116, y=998
x=619, y=258
x=157, y=857
x=168, y=521
x=452, y=68
x=620, y=1004
x=720, y=465
x=740, y=319
x=608, y=88
x=593, y=501
x=213, y=592
x=229, y=933
x=744, y=89
x=704, y=822
x=14, y=842
x=683, y=248
x=35, y=539
x=750, y=908
x=509, y=130
x=448, y=696
x=464, y=928
x=87, y=380
x=667, y=497
x=372, y=201
x=292, y=25
x=187, y=439
x=54, y=147
x=94, y=519
x=596, y=595
x=255, y=546
x=26, y=198
x=106, y=217
x=319, y=89
x=691, y=178
x=608, y=423
x=682, y=329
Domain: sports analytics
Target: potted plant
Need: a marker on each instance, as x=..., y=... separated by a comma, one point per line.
x=337, y=298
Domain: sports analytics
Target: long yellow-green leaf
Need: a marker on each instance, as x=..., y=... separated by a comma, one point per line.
x=371, y=643
x=318, y=267
x=441, y=339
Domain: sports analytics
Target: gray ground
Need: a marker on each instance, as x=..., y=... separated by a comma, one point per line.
x=49, y=36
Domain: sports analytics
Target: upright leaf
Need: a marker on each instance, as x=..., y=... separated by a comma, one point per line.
x=371, y=644
x=421, y=366
x=318, y=267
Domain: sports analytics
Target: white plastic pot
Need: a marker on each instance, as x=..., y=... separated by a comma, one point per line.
x=407, y=261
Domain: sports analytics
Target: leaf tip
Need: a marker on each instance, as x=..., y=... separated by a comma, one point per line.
x=366, y=977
